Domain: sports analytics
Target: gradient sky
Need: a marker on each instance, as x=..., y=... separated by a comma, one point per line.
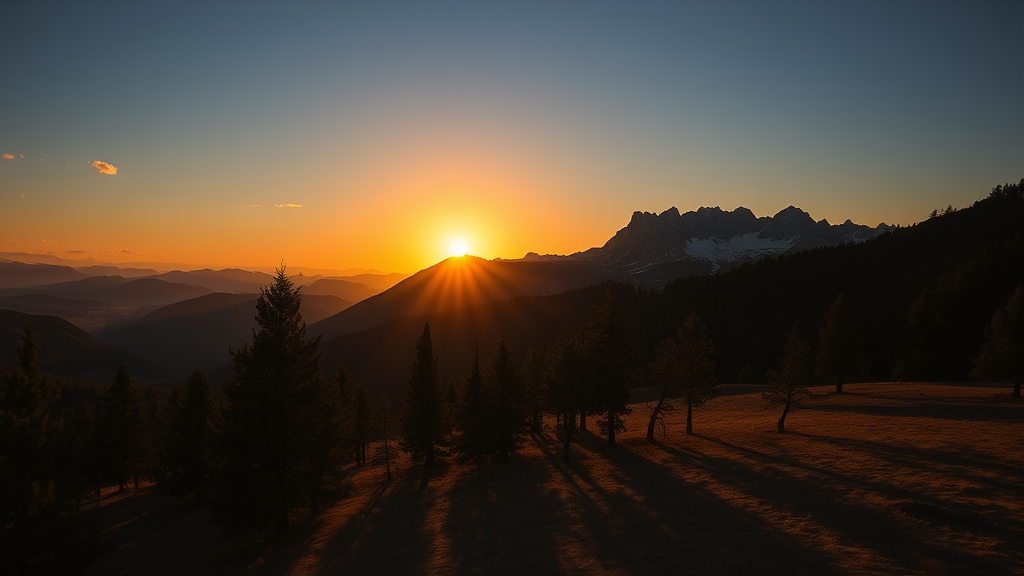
x=518, y=126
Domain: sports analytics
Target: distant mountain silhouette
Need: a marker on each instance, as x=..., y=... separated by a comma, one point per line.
x=379, y=282
x=344, y=289
x=18, y=274
x=657, y=248
x=86, y=314
x=232, y=280
x=117, y=291
x=197, y=333
x=456, y=283
x=66, y=350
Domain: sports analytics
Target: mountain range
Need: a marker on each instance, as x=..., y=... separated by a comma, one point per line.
x=657, y=248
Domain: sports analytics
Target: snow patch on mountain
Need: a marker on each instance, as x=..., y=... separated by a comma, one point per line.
x=742, y=247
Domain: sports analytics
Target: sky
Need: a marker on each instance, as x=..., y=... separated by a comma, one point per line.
x=375, y=134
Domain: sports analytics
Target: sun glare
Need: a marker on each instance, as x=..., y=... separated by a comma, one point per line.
x=458, y=248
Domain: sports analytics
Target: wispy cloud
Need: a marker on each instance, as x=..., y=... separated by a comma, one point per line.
x=15, y=241
x=287, y=205
x=48, y=242
x=129, y=252
x=22, y=156
x=253, y=205
x=104, y=167
x=9, y=156
x=77, y=252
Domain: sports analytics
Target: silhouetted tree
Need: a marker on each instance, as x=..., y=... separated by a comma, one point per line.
x=422, y=426
x=788, y=386
x=1002, y=352
x=35, y=499
x=509, y=409
x=281, y=440
x=124, y=428
x=195, y=420
x=534, y=376
x=611, y=357
x=839, y=352
x=684, y=366
x=566, y=382
x=362, y=415
x=473, y=419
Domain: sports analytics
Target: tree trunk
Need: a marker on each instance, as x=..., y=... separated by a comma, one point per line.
x=611, y=428
x=839, y=385
x=689, y=413
x=429, y=460
x=567, y=435
x=782, y=419
x=1016, y=386
x=654, y=417
x=583, y=420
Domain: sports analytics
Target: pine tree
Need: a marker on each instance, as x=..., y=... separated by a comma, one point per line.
x=788, y=386
x=34, y=502
x=565, y=384
x=684, y=366
x=473, y=419
x=362, y=416
x=421, y=419
x=123, y=425
x=533, y=376
x=195, y=420
x=280, y=443
x=1002, y=352
x=611, y=358
x=509, y=410
x=839, y=354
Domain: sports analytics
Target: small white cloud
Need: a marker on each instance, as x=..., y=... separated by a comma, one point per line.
x=287, y=205
x=48, y=242
x=8, y=156
x=104, y=167
x=22, y=156
x=15, y=241
x=129, y=252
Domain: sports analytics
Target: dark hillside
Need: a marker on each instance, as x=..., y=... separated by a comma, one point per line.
x=67, y=350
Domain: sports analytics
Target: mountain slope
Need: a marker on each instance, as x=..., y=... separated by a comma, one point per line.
x=199, y=332
x=456, y=283
x=66, y=350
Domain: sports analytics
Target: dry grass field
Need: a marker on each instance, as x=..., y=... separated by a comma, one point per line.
x=885, y=479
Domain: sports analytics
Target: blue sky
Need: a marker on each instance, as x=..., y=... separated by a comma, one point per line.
x=519, y=126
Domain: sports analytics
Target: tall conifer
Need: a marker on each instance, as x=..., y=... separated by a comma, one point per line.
x=421, y=421
x=123, y=425
x=280, y=445
x=611, y=357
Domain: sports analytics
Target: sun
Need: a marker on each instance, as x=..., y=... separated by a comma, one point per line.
x=458, y=247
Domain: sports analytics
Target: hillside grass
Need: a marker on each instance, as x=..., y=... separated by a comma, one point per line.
x=887, y=478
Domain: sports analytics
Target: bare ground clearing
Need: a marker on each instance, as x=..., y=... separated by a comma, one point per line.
x=887, y=478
